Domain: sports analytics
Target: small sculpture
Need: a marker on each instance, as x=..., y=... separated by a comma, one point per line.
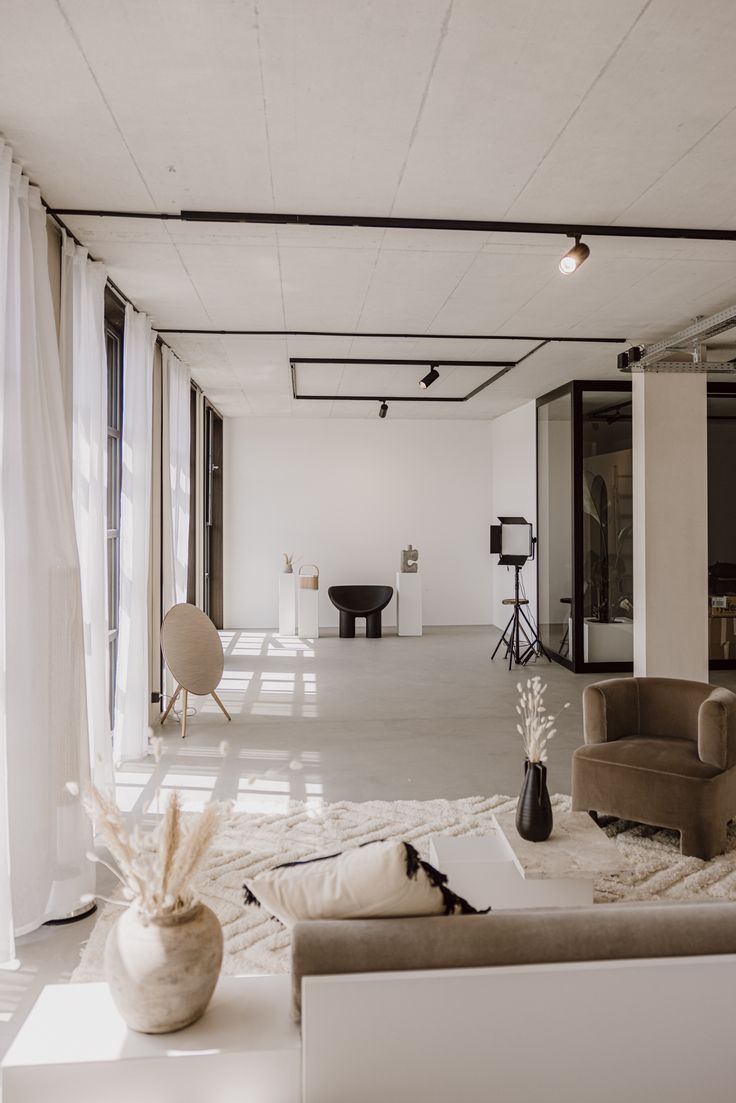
x=288, y=562
x=409, y=560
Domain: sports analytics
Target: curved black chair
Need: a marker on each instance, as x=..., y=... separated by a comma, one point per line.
x=360, y=601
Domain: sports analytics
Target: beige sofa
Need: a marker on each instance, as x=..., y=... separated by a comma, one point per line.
x=611, y=1002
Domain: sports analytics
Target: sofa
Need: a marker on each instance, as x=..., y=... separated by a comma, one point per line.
x=609, y=1002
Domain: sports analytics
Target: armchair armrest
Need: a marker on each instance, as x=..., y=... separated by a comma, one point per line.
x=610, y=710
x=717, y=729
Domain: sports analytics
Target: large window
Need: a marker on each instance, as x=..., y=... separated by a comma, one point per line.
x=114, y=325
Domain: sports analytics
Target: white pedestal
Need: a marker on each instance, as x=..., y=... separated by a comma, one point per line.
x=608, y=643
x=409, y=603
x=308, y=613
x=74, y=1046
x=287, y=604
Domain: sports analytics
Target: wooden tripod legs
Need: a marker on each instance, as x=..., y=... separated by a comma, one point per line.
x=219, y=702
x=172, y=702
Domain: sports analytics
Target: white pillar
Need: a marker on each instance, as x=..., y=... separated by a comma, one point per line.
x=670, y=526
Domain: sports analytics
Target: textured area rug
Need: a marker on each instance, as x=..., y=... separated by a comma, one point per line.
x=254, y=943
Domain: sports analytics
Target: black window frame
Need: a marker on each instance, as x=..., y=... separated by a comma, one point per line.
x=114, y=339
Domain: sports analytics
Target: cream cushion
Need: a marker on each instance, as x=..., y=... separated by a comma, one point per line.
x=381, y=879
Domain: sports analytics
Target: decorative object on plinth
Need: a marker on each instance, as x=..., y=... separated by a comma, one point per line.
x=409, y=560
x=308, y=601
x=288, y=562
x=360, y=601
x=163, y=954
x=287, y=603
x=537, y=727
x=408, y=603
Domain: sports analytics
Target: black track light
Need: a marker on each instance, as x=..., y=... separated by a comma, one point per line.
x=574, y=257
x=383, y=410
x=429, y=378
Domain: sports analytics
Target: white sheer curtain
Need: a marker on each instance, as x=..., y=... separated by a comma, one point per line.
x=132, y=693
x=175, y=538
x=46, y=833
x=83, y=352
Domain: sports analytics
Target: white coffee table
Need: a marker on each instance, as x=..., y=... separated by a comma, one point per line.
x=503, y=870
x=74, y=1047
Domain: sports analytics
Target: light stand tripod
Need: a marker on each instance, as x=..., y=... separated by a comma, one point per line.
x=519, y=626
x=512, y=540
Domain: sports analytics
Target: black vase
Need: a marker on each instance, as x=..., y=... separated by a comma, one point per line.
x=534, y=811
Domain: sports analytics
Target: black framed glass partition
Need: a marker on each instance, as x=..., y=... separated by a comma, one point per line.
x=554, y=524
x=721, y=525
x=585, y=525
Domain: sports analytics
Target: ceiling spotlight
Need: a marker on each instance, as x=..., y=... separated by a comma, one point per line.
x=574, y=257
x=383, y=410
x=429, y=378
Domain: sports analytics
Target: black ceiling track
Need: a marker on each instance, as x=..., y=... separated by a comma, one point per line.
x=504, y=365
x=483, y=226
x=392, y=336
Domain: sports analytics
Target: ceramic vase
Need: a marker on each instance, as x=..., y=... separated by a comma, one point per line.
x=534, y=810
x=162, y=972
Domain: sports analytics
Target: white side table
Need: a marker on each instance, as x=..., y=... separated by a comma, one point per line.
x=74, y=1047
x=504, y=871
x=409, y=603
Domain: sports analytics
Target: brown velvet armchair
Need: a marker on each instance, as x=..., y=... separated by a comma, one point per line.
x=660, y=751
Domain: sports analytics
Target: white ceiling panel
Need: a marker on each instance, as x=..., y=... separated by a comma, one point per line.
x=520, y=109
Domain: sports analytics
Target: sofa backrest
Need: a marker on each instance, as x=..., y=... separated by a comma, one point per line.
x=530, y=936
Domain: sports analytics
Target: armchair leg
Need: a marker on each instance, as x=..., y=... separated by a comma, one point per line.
x=704, y=841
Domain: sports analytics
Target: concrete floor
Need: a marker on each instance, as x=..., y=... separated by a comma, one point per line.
x=409, y=718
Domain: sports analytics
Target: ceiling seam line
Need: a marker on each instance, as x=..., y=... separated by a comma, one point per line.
x=103, y=97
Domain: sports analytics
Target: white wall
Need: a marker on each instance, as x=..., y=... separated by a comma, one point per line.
x=513, y=472
x=349, y=495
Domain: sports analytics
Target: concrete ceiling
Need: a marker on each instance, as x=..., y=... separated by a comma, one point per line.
x=572, y=110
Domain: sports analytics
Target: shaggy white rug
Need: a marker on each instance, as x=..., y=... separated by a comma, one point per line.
x=254, y=943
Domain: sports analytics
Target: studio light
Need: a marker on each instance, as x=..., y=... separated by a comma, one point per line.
x=383, y=410
x=429, y=378
x=574, y=257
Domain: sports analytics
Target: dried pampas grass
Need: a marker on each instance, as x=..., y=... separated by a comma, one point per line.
x=155, y=867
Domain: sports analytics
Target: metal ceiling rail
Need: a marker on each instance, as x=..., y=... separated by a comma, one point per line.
x=391, y=336
x=484, y=226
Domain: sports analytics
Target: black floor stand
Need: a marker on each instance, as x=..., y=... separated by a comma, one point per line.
x=520, y=633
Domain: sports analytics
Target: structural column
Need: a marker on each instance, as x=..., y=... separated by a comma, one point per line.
x=670, y=488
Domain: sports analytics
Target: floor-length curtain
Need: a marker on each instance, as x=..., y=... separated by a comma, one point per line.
x=7, y=941
x=83, y=352
x=176, y=394
x=177, y=385
x=44, y=689
x=132, y=693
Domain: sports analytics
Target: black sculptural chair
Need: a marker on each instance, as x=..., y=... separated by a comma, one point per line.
x=360, y=601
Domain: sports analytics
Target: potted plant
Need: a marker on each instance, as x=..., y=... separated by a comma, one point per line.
x=164, y=953
x=536, y=728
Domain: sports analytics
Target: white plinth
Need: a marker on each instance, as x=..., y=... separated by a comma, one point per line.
x=607, y=643
x=75, y=1047
x=287, y=604
x=559, y=873
x=409, y=603
x=307, y=613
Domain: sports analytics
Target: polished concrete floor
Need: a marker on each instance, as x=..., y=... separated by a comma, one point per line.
x=328, y=720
